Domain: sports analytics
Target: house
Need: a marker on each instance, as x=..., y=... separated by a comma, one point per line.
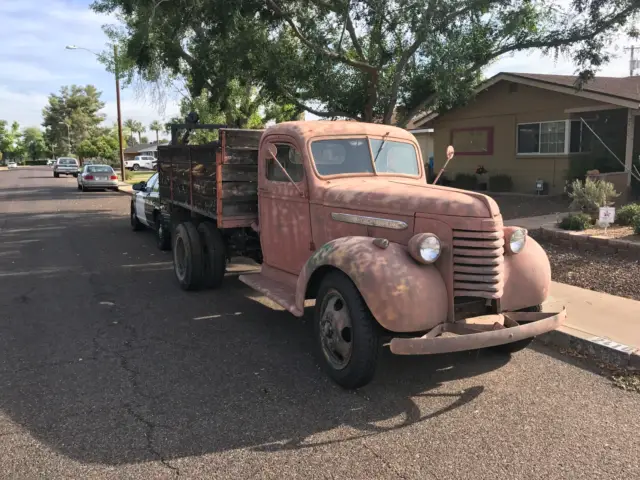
x=141, y=149
x=542, y=127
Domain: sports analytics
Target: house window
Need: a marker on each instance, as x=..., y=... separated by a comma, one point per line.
x=581, y=138
x=290, y=159
x=472, y=141
x=542, y=137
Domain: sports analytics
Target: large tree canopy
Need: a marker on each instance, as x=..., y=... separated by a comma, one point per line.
x=371, y=60
x=77, y=108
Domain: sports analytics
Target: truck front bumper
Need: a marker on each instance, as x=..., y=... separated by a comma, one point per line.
x=479, y=332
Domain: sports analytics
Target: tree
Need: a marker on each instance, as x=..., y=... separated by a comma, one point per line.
x=156, y=126
x=104, y=146
x=33, y=143
x=134, y=126
x=10, y=145
x=76, y=106
x=370, y=60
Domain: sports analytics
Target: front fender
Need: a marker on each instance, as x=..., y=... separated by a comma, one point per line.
x=402, y=295
x=527, y=277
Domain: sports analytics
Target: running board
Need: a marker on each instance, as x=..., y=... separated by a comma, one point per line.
x=279, y=292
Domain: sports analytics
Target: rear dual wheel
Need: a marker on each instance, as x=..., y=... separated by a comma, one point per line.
x=199, y=258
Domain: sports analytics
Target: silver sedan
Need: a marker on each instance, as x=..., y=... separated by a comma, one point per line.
x=97, y=177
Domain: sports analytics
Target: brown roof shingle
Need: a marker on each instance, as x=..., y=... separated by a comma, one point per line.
x=627, y=88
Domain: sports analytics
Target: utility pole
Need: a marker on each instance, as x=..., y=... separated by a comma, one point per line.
x=115, y=63
x=633, y=63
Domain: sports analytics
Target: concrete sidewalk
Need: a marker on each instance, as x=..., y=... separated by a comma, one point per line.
x=599, y=325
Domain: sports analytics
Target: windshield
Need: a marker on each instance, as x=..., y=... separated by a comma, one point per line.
x=353, y=155
x=67, y=161
x=99, y=169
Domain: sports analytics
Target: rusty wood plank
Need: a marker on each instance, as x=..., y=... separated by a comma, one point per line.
x=239, y=173
x=238, y=139
x=241, y=157
x=232, y=190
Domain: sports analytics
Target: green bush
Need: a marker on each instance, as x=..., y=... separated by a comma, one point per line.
x=636, y=225
x=626, y=215
x=500, y=183
x=465, y=181
x=576, y=221
x=591, y=195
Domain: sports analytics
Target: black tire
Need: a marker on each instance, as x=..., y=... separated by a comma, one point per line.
x=56, y=175
x=75, y=175
x=187, y=256
x=163, y=236
x=136, y=225
x=215, y=255
x=79, y=187
x=363, y=335
x=136, y=167
x=513, y=347
x=83, y=188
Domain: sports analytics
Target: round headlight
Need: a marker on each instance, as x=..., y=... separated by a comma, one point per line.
x=425, y=248
x=517, y=240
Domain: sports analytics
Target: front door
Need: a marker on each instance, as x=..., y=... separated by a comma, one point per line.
x=142, y=203
x=285, y=226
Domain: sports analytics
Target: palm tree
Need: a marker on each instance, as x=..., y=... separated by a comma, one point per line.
x=156, y=126
x=139, y=129
x=130, y=125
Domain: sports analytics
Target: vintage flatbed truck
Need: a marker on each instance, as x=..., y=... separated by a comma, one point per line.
x=340, y=212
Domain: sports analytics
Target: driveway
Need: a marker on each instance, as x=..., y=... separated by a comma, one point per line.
x=109, y=370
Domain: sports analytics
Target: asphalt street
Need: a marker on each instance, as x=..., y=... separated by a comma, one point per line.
x=109, y=370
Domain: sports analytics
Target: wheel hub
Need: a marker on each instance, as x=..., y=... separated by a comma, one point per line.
x=335, y=330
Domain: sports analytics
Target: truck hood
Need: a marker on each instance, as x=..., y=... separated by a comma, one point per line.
x=407, y=197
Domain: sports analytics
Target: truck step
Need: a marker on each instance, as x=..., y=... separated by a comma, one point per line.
x=281, y=293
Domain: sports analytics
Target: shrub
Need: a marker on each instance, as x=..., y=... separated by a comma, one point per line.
x=500, y=183
x=626, y=215
x=636, y=225
x=591, y=195
x=465, y=181
x=575, y=221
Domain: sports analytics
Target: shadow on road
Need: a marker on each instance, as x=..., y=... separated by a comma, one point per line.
x=107, y=361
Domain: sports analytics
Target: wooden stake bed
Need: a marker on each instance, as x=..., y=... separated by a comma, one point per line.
x=218, y=180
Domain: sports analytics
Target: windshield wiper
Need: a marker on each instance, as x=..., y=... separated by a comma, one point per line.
x=384, y=139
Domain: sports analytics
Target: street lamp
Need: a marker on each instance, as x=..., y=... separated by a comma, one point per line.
x=68, y=134
x=115, y=66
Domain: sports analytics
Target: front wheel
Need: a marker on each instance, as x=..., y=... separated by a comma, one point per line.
x=56, y=175
x=513, y=347
x=135, y=223
x=346, y=335
x=136, y=167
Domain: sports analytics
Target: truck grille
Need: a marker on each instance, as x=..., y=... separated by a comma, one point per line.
x=478, y=269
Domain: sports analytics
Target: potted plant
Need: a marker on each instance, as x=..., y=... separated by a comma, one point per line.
x=482, y=175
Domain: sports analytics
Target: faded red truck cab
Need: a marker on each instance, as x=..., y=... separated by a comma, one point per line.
x=345, y=217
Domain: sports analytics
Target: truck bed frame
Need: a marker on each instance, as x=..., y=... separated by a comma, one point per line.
x=217, y=180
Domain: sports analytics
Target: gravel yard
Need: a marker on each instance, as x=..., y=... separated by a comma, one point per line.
x=514, y=206
x=594, y=271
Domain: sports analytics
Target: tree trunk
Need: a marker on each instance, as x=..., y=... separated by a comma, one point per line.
x=157, y=138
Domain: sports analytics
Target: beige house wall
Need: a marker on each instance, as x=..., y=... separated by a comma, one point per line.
x=425, y=140
x=503, y=106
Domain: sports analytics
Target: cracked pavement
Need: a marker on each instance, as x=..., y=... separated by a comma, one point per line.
x=109, y=370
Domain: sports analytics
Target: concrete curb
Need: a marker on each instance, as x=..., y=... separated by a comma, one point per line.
x=599, y=349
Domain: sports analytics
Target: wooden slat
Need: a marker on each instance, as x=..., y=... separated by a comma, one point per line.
x=242, y=138
x=241, y=157
x=232, y=190
x=240, y=173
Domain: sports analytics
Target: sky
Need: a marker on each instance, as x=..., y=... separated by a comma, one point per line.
x=35, y=63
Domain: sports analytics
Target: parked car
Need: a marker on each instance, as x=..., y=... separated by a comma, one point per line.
x=146, y=211
x=147, y=162
x=66, y=166
x=97, y=177
x=12, y=165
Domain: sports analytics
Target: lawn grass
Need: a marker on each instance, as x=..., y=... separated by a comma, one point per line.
x=139, y=176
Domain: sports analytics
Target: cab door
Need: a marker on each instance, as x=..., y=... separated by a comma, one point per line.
x=285, y=225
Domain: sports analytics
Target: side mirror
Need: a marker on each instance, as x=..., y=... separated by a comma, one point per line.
x=139, y=187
